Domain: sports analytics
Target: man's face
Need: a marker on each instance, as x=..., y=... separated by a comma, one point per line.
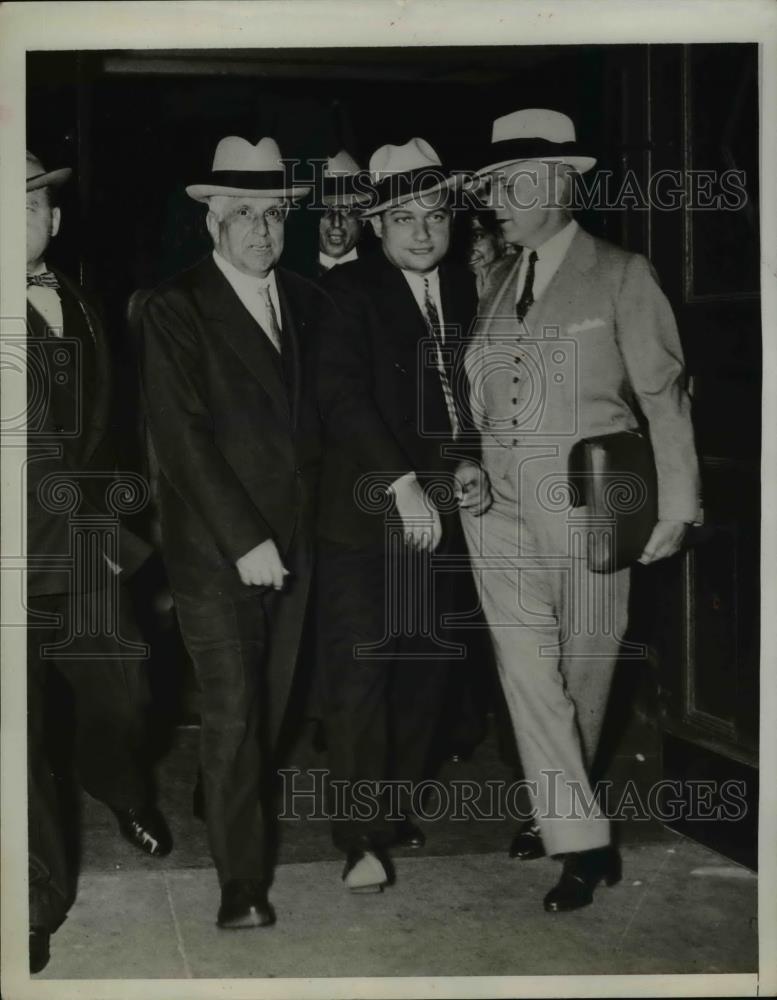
x=42, y=225
x=521, y=203
x=484, y=245
x=415, y=237
x=248, y=232
x=339, y=230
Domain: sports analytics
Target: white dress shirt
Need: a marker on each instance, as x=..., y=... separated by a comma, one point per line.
x=47, y=302
x=247, y=287
x=417, y=287
x=329, y=262
x=549, y=258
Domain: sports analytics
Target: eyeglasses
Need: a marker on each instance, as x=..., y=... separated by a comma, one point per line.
x=273, y=216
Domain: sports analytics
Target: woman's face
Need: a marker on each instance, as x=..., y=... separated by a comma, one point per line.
x=483, y=246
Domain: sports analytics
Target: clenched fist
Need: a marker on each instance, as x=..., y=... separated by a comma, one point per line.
x=474, y=488
x=420, y=518
x=262, y=566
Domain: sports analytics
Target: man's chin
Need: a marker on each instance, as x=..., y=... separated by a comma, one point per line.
x=336, y=252
x=421, y=262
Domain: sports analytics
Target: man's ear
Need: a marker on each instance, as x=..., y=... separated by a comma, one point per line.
x=56, y=218
x=377, y=225
x=212, y=222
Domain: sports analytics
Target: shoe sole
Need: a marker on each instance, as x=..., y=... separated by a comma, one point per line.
x=246, y=922
x=367, y=875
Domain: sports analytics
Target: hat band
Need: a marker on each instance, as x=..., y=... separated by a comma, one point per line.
x=408, y=183
x=250, y=180
x=334, y=187
x=533, y=149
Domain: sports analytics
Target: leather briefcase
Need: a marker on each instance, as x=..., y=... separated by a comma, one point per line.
x=614, y=476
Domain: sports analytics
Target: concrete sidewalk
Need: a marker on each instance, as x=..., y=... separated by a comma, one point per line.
x=679, y=909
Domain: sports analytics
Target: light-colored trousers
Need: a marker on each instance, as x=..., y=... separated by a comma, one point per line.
x=556, y=629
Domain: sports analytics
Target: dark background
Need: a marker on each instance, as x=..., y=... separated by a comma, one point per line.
x=138, y=126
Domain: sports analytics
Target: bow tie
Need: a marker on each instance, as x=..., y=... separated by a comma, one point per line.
x=45, y=280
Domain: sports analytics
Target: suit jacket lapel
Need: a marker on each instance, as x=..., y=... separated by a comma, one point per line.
x=400, y=309
x=496, y=313
x=226, y=314
x=564, y=284
x=291, y=343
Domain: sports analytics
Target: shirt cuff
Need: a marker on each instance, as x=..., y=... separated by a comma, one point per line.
x=409, y=477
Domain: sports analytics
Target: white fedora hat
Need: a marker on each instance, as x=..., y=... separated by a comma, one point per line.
x=402, y=173
x=37, y=177
x=240, y=168
x=344, y=182
x=535, y=134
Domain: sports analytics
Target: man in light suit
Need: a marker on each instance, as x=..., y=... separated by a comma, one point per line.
x=232, y=418
x=575, y=339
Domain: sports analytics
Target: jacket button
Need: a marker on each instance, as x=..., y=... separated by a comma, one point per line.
x=515, y=423
x=298, y=471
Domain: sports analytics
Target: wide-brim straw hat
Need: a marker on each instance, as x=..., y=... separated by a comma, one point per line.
x=405, y=173
x=344, y=182
x=537, y=134
x=242, y=169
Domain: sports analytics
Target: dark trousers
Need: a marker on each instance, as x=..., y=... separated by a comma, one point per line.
x=381, y=704
x=109, y=695
x=244, y=650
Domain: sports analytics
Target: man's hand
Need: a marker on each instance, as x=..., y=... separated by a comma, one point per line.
x=262, y=566
x=420, y=518
x=666, y=539
x=474, y=488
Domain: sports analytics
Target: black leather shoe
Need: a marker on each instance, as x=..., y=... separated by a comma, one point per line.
x=409, y=835
x=581, y=874
x=244, y=904
x=39, y=949
x=145, y=829
x=527, y=843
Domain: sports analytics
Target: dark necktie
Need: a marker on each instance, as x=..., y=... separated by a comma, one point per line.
x=45, y=280
x=435, y=328
x=524, y=304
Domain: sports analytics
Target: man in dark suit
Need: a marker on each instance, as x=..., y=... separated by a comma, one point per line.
x=81, y=631
x=233, y=422
x=341, y=226
x=387, y=388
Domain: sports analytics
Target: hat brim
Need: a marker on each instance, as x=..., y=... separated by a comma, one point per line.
x=53, y=178
x=579, y=163
x=403, y=199
x=346, y=199
x=201, y=192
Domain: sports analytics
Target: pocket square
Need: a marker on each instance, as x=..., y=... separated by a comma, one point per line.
x=586, y=324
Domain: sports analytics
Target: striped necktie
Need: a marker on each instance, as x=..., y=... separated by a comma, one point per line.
x=47, y=279
x=435, y=328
